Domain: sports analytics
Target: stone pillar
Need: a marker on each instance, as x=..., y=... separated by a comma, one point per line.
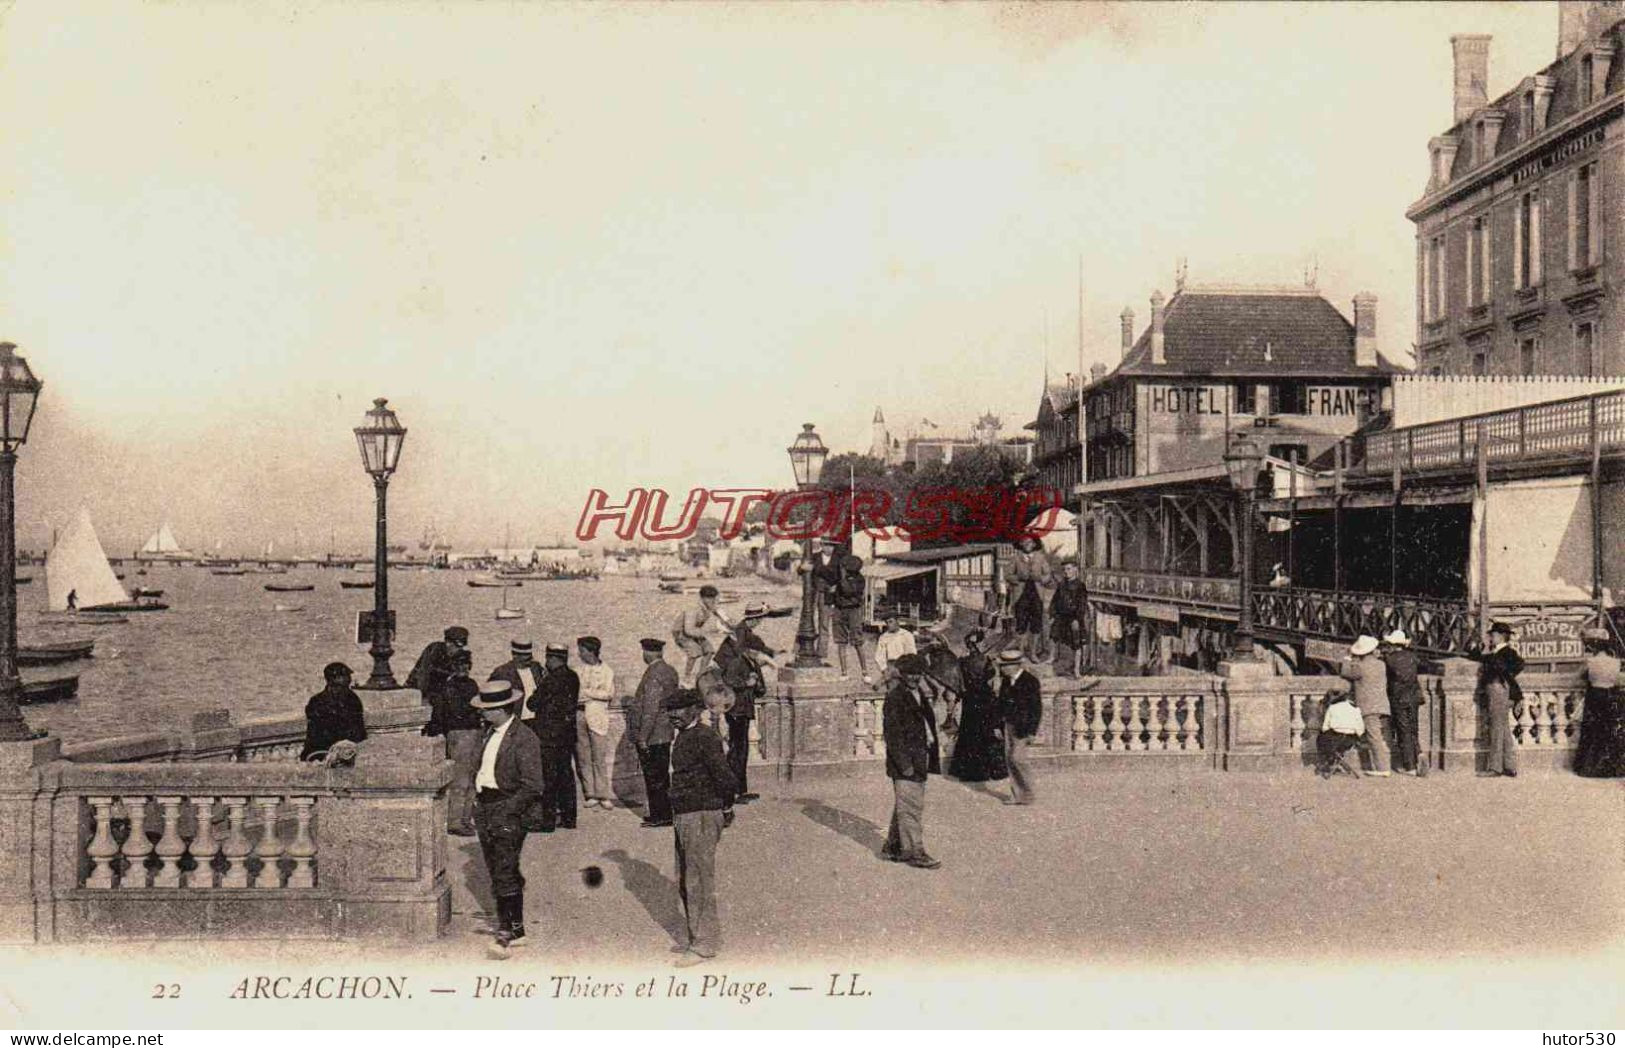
x=1457, y=703
x=820, y=730
x=25, y=840
x=1253, y=720
x=381, y=848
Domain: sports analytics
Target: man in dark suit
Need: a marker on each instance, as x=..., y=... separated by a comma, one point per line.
x=1022, y=703
x=1500, y=692
x=433, y=668
x=910, y=729
x=651, y=731
x=332, y=714
x=509, y=780
x=702, y=796
x=741, y=673
x=554, y=707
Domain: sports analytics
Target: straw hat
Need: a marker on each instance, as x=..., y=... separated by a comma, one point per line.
x=1363, y=646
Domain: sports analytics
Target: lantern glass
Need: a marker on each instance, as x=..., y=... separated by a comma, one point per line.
x=19, y=395
x=1242, y=463
x=380, y=439
x=807, y=456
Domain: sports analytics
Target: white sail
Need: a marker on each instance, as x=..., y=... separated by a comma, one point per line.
x=78, y=564
x=162, y=541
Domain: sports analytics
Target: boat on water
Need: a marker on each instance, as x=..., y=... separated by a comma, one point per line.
x=492, y=582
x=162, y=546
x=143, y=591
x=229, y=571
x=52, y=654
x=54, y=690
x=357, y=584
x=506, y=612
x=290, y=587
x=77, y=566
x=82, y=618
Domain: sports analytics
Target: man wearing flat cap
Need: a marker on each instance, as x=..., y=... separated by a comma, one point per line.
x=433, y=668
x=332, y=714
x=592, y=724
x=651, y=731
x=508, y=782
x=523, y=672
x=702, y=796
x=554, y=723
x=1498, y=671
x=910, y=730
x=1022, y=703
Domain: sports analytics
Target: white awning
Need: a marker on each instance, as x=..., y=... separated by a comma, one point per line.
x=885, y=571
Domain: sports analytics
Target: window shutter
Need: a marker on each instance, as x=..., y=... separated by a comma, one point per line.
x=1574, y=223
x=1535, y=240
x=1486, y=260
x=1472, y=261
x=1518, y=215
x=1593, y=217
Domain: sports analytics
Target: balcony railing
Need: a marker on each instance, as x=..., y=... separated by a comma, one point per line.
x=1147, y=585
x=1433, y=625
x=1558, y=429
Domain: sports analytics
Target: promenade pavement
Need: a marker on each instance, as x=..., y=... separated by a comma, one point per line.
x=1152, y=864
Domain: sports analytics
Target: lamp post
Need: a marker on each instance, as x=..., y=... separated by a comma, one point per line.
x=19, y=393
x=807, y=455
x=1242, y=462
x=380, y=441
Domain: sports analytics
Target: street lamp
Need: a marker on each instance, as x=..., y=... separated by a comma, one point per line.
x=807, y=455
x=380, y=441
x=19, y=393
x=1242, y=462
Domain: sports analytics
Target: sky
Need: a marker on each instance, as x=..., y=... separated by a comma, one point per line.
x=608, y=246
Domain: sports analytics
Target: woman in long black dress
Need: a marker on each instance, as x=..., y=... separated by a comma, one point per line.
x=978, y=752
x=1601, y=751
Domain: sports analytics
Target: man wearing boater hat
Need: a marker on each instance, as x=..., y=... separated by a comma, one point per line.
x=910, y=729
x=1404, y=700
x=554, y=723
x=592, y=724
x=508, y=782
x=702, y=796
x=737, y=658
x=523, y=672
x=1498, y=671
x=1022, y=703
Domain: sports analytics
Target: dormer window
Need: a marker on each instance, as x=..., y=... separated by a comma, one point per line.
x=1526, y=114
x=1480, y=143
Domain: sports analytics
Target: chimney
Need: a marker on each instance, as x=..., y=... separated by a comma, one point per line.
x=1579, y=20
x=1127, y=319
x=1365, y=330
x=1096, y=373
x=1158, y=356
x=1472, y=58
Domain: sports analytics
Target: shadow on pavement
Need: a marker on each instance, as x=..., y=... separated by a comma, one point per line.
x=475, y=874
x=854, y=828
x=653, y=890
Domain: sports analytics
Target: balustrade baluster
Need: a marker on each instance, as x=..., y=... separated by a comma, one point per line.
x=1545, y=722
x=302, y=849
x=269, y=847
x=1142, y=724
x=236, y=846
x=1097, y=724
x=877, y=725
x=1080, y=724
x=204, y=844
x=1576, y=711
x=102, y=847
x=170, y=846
x=136, y=845
x=1162, y=716
x=1295, y=718
x=1522, y=722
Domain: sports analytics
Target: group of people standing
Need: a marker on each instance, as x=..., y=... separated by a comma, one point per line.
x=1386, y=693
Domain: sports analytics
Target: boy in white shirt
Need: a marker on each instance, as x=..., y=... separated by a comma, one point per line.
x=1340, y=729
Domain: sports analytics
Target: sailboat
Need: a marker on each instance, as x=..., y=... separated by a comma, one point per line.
x=77, y=565
x=506, y=612
x=162, y=546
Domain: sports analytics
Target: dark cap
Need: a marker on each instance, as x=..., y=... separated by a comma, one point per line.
x=682, y=699
x=457, y=633
x=708, y=590
x=559, y=650
x=651, y=644
x=335, y=670
x=1500, y=627
x=592, y=644
x=911, y=664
